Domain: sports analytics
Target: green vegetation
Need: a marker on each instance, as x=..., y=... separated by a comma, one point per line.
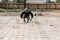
x=14, y=1
x=20, y=1
x=58, y=1
x=5, y=1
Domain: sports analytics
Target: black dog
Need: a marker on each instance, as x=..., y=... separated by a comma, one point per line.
x=26, y=15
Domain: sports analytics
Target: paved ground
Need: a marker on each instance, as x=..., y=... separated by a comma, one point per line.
x=40, y=28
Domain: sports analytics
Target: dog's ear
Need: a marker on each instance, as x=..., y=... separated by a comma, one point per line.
x=35, y=14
